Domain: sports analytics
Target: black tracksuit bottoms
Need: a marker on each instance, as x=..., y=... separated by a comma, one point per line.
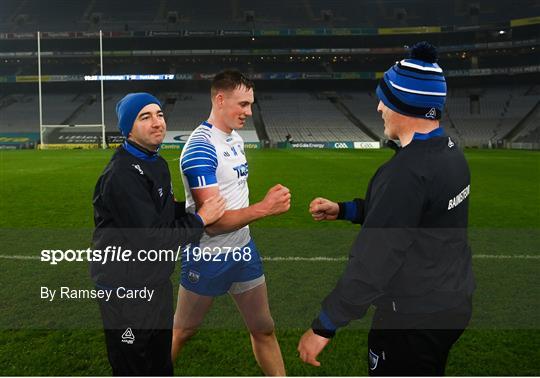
x=138, y=333
x=414, y=344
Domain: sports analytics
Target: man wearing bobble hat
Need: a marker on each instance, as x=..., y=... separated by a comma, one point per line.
x=135, y=209
x=411, y=260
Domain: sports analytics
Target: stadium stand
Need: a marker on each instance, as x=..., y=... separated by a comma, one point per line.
x=530, y=131
x=307, y=118
x=31, y=15
x=19, y=114
x=189, y=109
x=184, y=111
x=90, y=113
x=123, y=15
x=498, y=110
x=364, y=106
x=481, y=109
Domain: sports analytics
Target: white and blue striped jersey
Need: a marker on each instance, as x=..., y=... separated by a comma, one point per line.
x=212, y=157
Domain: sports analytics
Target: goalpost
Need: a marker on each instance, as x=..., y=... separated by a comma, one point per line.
x=43, y=127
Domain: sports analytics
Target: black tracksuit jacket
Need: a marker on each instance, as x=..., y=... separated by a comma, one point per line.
x=412, y=254
x=134, y=208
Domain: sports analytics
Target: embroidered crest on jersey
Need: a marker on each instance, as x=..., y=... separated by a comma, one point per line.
x=193, y=276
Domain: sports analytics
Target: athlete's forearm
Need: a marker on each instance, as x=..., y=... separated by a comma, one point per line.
x=233, y=220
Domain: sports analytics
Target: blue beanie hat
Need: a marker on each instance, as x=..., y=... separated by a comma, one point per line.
x=415, y=87
x=129, y=107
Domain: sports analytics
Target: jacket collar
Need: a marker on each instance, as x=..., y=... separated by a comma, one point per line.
x=439, y=131
x=139, y=151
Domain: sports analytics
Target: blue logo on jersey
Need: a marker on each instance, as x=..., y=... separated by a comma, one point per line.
x=241, y=170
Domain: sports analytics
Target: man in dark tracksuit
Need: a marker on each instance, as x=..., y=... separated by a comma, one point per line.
x=134, y=209
x=411, y=259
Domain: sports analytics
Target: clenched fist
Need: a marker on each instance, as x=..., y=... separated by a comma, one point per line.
x=323, y=209
x=212, y=209
x=276, y=201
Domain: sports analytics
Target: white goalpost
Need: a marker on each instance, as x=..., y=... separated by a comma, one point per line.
x=43, y=127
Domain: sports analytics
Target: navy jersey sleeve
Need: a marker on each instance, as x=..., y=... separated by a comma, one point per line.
x=199, y=162
x=352, y=211
x=378, y=252
x=128, y=194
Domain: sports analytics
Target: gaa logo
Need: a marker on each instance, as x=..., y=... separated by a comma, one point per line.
x=340, y=145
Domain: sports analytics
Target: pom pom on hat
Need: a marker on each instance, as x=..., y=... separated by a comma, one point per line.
x=425, y=52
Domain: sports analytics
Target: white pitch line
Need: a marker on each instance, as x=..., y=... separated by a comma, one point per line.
x=299, y=258
x=321, y=258
x=524, y=257
x=19, y=257
x=324, y=258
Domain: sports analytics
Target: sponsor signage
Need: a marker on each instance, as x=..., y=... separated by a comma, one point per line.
x=307, y=145
x=367, y=145
x=15, y=141
x=332, y=145
x=260, y=76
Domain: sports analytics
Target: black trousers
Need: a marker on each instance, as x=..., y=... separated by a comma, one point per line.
x=414, y=344
x=138, y=333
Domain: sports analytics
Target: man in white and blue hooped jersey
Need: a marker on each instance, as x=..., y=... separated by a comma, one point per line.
x=226, y=260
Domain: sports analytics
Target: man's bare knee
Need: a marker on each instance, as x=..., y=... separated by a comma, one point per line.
x=184, y=334
x=263, y=331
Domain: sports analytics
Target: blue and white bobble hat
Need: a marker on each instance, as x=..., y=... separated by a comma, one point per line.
x=415, y=87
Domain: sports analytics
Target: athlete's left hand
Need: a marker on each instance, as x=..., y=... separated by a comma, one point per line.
x=310, y=346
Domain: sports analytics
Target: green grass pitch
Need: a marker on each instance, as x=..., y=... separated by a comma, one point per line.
x=45, y=202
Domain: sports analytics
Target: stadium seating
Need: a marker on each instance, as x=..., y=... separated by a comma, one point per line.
x=68, y=15
x=91, y=112
x=306, y=118
x=190, y=109
x=364, y=106
x=20, y=114
x=531, y=130
x=500, y=110
x=33, y=15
